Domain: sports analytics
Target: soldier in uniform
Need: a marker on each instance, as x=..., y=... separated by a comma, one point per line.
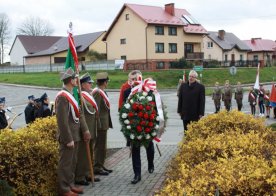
x=3, y=118
x=261, y=94
x=252, y=98
x=217, y=96
x=104, y=123
x=227, y=95
x=29, y=110
x=91, y=114
x=239, y=96
x=71, y=123
x=267, y=103
x=44, y=109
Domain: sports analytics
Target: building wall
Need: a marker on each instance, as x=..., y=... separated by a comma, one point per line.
x=133, y=30
x=99, y=45
x=17, y=53
x=214, y=53
x=37, y=60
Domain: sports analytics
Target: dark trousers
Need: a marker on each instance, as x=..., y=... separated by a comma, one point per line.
x=261, y=106
x=253, y=109
x=136, y=158
x=185, y=124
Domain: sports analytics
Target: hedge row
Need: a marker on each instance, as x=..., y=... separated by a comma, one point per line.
x=230, y=152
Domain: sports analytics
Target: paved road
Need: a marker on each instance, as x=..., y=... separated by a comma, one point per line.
x=16, y=97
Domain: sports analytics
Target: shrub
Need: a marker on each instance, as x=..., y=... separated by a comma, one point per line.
x=29, y=157
x=230, y=151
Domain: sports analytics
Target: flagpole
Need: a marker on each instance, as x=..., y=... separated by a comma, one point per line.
x=75, y=57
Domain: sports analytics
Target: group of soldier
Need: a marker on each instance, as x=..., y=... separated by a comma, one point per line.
x=255, y=96
x=82, y=131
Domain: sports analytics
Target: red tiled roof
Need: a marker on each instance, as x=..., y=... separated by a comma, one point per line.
x=158, y=15
x=258, y=44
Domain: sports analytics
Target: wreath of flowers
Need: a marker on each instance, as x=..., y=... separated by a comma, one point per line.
x=139, y=118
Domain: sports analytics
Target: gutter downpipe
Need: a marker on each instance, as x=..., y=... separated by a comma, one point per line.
x=146, y=31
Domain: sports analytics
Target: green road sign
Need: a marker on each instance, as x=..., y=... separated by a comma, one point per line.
x=198, y=68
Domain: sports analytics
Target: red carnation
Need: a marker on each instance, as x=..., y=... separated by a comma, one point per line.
x=130, y=114
x=152, y=116
x=143, y=123
x=140, y=114
x=152, y=103
x=147, y=130
x=148, y=107
x=153, y=112
x=150, y=124
x=141, y=107
x=139, y=128
x=134, y=106
x=146, y=116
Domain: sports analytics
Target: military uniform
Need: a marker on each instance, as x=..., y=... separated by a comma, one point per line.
x=91, y=114
x=29, y=110
x=227, y=97
x=70, y=125
x=104, y=123
x=44, y=109
x=217, y=97
x=3, y=118
x=239, y=97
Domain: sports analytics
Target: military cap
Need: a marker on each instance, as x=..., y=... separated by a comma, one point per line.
x=86, y=78
x=68, y=73
x=43, y=97
x=102, y=76
x=37, y=100
x=31, y=97
x=2, y=99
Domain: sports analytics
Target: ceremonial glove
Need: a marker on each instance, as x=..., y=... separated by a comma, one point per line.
x=71, y=144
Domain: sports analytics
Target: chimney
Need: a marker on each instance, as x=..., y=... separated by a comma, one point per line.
x=169, y=8
x=253, y=39
x=221, y=34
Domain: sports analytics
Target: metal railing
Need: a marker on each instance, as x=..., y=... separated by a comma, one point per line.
x=99, y=65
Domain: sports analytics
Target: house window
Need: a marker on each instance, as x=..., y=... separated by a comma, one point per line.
x=210, y=45
x=172, y=48
x=226, y=57
x=241, y=57
x=255, y=58
x=123, y=57
x=159, y=30
x=159, y=47
x=210, y=57
x=172, y=31
x=127, y=16
x=123, y=41
x=160, y=65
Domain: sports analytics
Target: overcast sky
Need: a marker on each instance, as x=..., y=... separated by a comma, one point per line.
x=244, y=18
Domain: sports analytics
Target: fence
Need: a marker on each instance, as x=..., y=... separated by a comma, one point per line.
x=99, y=65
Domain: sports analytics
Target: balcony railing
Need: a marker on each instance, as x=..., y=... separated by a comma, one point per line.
x=195, y=56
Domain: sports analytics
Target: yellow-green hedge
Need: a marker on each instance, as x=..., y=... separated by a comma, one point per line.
x=29, y=157
x=230, y=151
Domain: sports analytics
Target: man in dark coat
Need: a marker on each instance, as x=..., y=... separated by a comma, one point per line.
x=3, y=118
x=135, y=150
x=29, y=110
x=191, y=100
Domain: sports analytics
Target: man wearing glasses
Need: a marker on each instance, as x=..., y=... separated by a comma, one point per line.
x=191, y=100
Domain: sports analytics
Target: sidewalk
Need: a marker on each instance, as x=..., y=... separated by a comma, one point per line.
x=118, y=182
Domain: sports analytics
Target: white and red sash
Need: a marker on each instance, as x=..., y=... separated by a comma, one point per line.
x=252, y=96
x=104, y=96
x=91, y=100
x=73, y=104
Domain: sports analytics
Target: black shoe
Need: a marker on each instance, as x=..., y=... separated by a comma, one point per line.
x=82, y=183
x=136, y=179
x=101, y=172
x=151, y=169
x=88, y=179
x=107, y=170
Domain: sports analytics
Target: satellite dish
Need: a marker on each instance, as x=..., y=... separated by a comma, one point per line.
x=233, y=70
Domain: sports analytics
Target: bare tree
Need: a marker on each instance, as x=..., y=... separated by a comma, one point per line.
x=35, y=26
x=4, y=34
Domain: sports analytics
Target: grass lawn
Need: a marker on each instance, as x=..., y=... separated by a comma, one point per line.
x=166, y=79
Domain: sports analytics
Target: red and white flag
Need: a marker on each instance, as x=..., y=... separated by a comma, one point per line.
x=257, y=82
